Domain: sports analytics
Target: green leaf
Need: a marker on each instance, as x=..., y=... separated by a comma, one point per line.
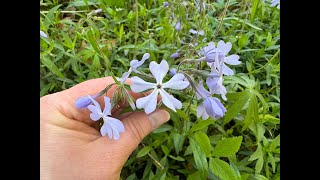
x=194, y=176
x=259, y=165
x=51, y=66
x=257, y=154
x=272, y=162
x=269, y=40
x=254, y=9
x=260, y=177
x=200, y=125
x=145, y=150
x=67, y=41
x=165, y=149
x=92, y=40
x=49, y=18
x=227, y=147
x=199, y=158
x=160, y=174
x=221, y=169
x=252, y=113
x=236, y=170
x=178, y=158
x=182, y=114
x=263, y=102
x=236, y=107
x=162, y=128
x=275, y=143
x=178, y=141
x=204, y=142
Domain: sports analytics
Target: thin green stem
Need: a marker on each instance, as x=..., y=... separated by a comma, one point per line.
x=137, y=21
x=154, y=159
x=222, y=18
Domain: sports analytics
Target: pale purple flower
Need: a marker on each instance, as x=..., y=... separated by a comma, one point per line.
x=172, y=15
x=165, y=4
x=173, y=71
x=175, y=55
x=274, y=3
x=219, y=56
x=85, y=101
x=97, y=11
x=211, y=106
x=215, y=85
x=111, y=126
x=134, y=64
x=158, y=71
x=209, y=52
x=43, y=34
x=192, y=31
x=178, y=26
x=187, y=16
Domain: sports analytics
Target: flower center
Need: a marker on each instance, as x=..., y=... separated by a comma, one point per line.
x=159, y=86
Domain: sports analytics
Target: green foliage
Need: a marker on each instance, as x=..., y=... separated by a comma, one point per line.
x=227, y=147
x=244, y=144
x=222, y=169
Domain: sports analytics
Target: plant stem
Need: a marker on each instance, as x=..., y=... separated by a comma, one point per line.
x=157, y=162
x=137, y=21
x=222, y=18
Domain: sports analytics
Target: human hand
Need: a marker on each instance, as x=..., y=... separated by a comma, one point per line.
x=71, y=146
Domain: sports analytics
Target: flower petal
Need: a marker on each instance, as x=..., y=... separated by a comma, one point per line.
x=139, y=85
x=116, y=123
x=124, y=76
x=201, y=92
x=95, y=103
x=220, y=105
x=170, y=101
x=135, y=63
x=232, y=60
x=212, y=108
x=226, y=70
x=176, y=82
x=94, y=113
x=225, y=47
x=212, y=83
x=106, y=129
x=149, y=103
x=159, y=71
x=201, y=112
x=107, y=106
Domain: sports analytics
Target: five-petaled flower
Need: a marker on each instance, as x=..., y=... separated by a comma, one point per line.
x=158, y=71
x=111, y=126
x=218, y=57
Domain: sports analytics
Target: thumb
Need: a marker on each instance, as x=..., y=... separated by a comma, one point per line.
x=139, y=124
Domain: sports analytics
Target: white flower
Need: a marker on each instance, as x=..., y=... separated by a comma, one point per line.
x=158, y=71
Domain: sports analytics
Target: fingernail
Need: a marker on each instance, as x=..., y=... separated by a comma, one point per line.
x=158, y=117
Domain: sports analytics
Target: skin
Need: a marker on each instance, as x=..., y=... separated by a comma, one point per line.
x=71, y=146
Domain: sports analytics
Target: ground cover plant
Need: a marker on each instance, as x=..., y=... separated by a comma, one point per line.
x=216, y=65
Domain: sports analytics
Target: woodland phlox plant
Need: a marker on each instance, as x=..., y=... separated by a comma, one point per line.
x=186, y=77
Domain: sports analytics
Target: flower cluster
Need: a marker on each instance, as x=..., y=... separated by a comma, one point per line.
x=158, y=88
